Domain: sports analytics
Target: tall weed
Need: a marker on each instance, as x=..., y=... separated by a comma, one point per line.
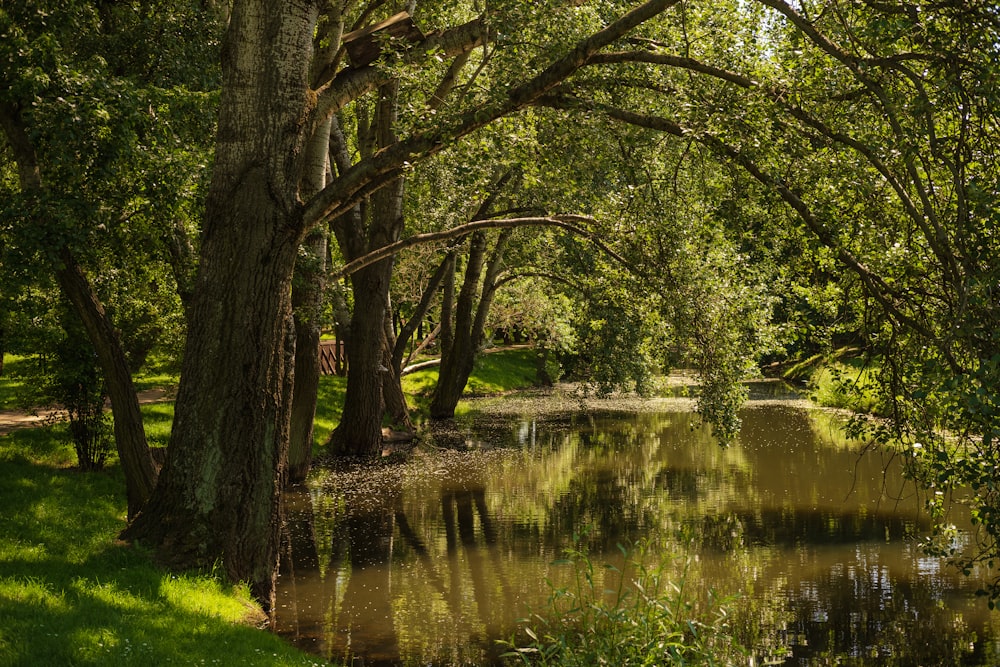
x=632, y=614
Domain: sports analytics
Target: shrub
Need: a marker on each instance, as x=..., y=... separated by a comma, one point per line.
x=648, y=617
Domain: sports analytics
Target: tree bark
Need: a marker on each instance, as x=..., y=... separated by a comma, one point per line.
x=307, y=304
x=219, y=495
x=396, y=410
x=308, y=286
x=130, y=437
x=458, y=358
x=359, y=432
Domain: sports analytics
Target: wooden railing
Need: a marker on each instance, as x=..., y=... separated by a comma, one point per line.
x=332, y=357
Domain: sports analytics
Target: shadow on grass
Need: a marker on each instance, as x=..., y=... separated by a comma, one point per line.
x=71, y=594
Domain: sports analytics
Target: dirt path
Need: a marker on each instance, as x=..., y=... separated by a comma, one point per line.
x=11, y=420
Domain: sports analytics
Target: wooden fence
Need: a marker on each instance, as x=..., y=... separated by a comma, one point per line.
x=332, y=357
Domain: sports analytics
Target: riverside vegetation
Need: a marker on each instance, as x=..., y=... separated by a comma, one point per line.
x=71, y=594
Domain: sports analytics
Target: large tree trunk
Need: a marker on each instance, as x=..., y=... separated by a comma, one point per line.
x=219, y=495
x=359, y=432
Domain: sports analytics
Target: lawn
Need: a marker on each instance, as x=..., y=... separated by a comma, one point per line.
x=71, y=594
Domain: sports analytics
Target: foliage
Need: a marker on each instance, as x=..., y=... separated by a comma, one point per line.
x=69, y=594
x=851, y=385
x=119, y=131
x=636, y=614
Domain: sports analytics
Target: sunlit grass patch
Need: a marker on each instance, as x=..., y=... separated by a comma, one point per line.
x=157, y=419
x=70, y=593
x=329, y=406
x=494, y=373
x=11, y=383
x=503, y=371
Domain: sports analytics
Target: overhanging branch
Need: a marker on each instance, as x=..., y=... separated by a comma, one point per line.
x=566, y=222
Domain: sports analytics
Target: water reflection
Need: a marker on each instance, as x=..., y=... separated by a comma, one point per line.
x=431, y=561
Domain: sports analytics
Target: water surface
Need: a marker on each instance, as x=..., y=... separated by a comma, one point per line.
x=431, y=561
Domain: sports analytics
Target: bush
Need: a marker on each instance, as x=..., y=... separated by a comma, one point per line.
x=91, y=430
x=648, y=617
x=75, y=383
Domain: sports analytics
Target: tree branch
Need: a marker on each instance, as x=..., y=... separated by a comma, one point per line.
x=561, y=221
x=392, y=161
x=876, y=284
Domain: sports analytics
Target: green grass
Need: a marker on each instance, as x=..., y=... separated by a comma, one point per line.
x=494, y=373
x=157, y=418
x=841, y=379
x=329, y=406
x=10, y=385
x=70, y=594
x=502, y=371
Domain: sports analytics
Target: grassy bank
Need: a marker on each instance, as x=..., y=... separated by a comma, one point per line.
x=494, y=373
x=843, y=379
x=70, y=594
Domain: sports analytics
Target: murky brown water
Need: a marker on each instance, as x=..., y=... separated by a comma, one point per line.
x=431, y=561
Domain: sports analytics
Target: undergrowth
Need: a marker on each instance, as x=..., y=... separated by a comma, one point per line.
x=633, y=614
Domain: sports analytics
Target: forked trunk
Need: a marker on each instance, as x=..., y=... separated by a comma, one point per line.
x=359, y=432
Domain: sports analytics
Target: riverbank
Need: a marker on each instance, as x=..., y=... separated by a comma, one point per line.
x=70, y=593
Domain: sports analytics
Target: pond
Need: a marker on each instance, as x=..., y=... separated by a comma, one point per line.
x=430, y=561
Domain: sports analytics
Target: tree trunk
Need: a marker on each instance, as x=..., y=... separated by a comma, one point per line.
x=130, y=438
x=413, y=324
x=458, y=360
x=360, y=430
x=308, y=286
x=307, y=302
x=219, y=495
x=396, y=410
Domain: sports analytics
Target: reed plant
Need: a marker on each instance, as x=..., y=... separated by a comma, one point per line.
x=646, y=615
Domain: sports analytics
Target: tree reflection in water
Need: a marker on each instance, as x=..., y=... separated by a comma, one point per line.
x=431, y=561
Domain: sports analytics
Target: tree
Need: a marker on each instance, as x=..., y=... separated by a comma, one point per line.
x=875, y=124
x=219, y=494
x=79, y=115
